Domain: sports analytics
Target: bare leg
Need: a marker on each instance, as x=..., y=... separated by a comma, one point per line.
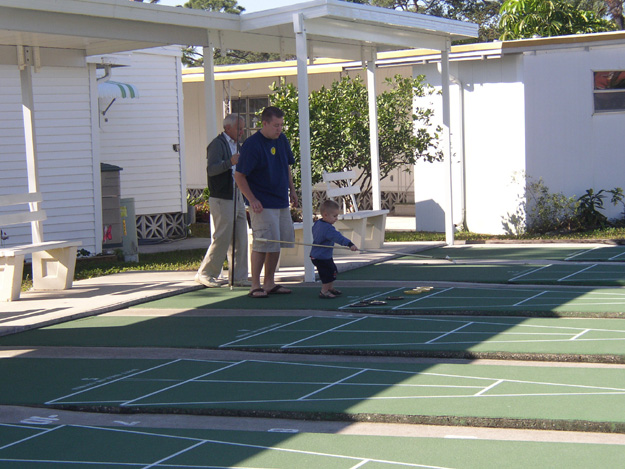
x=271, y=262
x=257, y=261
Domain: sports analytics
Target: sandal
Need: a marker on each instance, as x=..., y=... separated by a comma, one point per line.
x=279, y=290
x=335, y=292
x=327, y=295
x=253, y=293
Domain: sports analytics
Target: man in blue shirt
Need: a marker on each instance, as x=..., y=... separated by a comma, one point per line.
x=264, y=177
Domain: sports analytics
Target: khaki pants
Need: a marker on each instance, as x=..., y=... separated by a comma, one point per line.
x=222, y=216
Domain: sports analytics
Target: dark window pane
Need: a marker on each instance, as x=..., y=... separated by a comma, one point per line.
x=239, y=106
x=258, y=104
x=610, y=101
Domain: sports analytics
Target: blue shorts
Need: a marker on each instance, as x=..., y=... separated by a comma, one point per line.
x=326, y=269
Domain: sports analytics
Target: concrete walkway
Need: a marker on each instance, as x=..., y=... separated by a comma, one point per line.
x=112, y=292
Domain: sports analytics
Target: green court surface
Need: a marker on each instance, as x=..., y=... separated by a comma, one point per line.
x=555, y=397
x=553, y=301
x=599, y=340
x=606, y=253
x=31, y=446
x=409, y=269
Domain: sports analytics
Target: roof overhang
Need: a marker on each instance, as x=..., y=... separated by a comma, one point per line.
x=343, y=30
x=334, y=28
x=105, y=26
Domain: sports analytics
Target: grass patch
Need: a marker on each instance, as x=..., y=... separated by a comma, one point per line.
x=161, y=261
x=615, y=234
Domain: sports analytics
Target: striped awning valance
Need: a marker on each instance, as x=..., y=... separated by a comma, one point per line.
x=115, y=89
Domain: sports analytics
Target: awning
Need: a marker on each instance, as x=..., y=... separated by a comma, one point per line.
x=115, y=89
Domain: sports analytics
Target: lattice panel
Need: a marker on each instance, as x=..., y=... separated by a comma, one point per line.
x=161, y=226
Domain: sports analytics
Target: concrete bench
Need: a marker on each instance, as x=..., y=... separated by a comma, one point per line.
x=365, y=228
x=53, y=262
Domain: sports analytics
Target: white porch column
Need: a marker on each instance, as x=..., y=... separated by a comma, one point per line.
x=449, y=212
x=304, y=139
x=373, y=132
x=25, y=59
x=210, y=103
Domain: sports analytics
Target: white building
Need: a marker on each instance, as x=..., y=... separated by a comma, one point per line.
x=142, y=136
x=526, y=107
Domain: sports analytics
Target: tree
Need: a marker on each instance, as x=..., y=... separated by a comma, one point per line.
x=615, y=8
x=339, y=127
x=528, y=18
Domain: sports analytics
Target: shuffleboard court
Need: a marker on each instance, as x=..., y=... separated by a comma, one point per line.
x=514, y=300
x=31, y=446
x=578, y=253
x=493, y=337
x=563, y=398
x=409, y=269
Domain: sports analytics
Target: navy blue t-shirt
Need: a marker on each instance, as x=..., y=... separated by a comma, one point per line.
x=265, y=163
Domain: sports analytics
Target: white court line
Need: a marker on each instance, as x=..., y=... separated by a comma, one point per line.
x=494, y=323
x=578, y=272
x=424, y=297
x=448, y=333
x=481, y=307
x=157, y=463
x=264, y=332
x=530, y=298
x=261, y=447
x=31, y=437
x=579, y=335
x=530, y=272
x=617, y=256
x=585, y=251
x=471, y=342
x=332, y=384
x=111, y=382
x=323, y=332
x=394, y=398
x=182, y=382
x=399, y=385
x=497, y=383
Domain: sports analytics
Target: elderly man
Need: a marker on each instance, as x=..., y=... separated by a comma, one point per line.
x=222, y=157
x=264, y=177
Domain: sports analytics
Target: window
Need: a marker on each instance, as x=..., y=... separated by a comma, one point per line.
x=609, y=91
x=247, y=108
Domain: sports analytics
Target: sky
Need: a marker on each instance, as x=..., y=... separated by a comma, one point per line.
x=249, y=5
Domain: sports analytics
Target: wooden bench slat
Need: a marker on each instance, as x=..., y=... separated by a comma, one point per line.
x=340, y=191
x=30, y=248
x=15, y=199
x=21, y=218
x=362, y=214
x=330, y=177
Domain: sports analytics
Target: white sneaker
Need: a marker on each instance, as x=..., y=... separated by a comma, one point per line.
x=209, y=282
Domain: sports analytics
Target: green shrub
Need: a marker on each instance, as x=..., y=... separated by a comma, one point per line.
x=547, y=212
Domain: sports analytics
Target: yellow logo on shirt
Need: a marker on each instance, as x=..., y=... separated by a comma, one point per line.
x=273, y=150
